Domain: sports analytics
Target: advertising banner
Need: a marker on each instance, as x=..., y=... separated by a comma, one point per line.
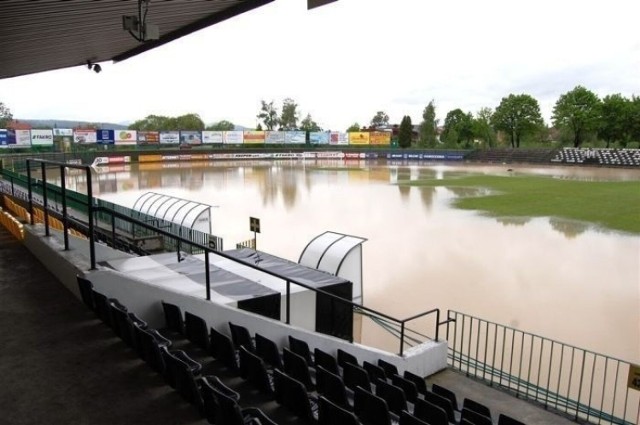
x=4, y=137
x=149, y=158
x=339, y=138
x=23, y=138
x=358, y=138
x=170, y=137
x=319, y=137
x=233, y=137
x=105, y=137
x=380, y=138
x=295, y=137
x=41, y=138
x=84, y=137
x=63, y=132
x=211, y=137
x=190, y=138
x=253, y=137
x=126, y=137
x=274, y=137
x=148, y=137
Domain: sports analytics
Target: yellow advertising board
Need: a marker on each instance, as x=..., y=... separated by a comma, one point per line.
x=150, y=158
x=253, y=137
x=358, y=138
x=380, y=138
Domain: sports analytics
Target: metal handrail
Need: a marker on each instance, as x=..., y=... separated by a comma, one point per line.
x=92, y=209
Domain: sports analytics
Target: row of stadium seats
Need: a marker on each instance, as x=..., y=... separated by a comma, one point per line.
x=607, y=157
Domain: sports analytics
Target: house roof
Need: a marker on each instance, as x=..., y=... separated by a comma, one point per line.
x=44, y=35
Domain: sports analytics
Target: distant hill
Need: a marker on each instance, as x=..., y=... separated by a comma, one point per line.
x=71, y=124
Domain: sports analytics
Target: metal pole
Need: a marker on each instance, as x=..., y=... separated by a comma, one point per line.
x=288, y=301
x=43, y=171
x=113, y=231
x=207, y=278
x=65, y=224
x=92, y=248
x=401, y=338
x=438, y=324
x=30, y=192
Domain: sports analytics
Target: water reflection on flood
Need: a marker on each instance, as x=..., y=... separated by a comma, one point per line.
x=557, y=278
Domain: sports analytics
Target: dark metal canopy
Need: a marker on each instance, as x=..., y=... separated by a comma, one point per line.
x=42, y=35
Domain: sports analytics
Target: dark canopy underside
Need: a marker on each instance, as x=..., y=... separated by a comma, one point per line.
x=42, y=35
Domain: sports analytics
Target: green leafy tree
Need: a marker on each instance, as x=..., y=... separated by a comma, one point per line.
x=380, y=119
x=517, y=115
x=308, y=124
x=482, y=126
x=191, y=122
x=459, y=124
x=5, y=115
x=429, y=126
x=578, y=111
x=634, y=121
x=269, y=115
x=615, y=118
x=405, y=132
x=223, y=125
x=353, y=127
x=259, y=127
x=152, y=123
x=289, y=115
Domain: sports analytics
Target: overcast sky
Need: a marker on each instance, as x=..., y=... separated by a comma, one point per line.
x=347, y=60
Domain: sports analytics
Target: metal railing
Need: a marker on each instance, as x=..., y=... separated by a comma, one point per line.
x=92, y=209
x=583, y=384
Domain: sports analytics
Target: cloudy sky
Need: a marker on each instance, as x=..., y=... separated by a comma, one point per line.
x=343, y=62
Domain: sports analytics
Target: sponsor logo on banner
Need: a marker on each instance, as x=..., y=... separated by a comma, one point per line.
x=119, y=159
x=339, y=138
x=4, y=137
x=101, y=160
x=63, y=132
x=23, y=137
x=211, y=137
x=150, y=158
x=329, y=155
x=380, y=138
x=319, y=137
x=353, y=155
x=84, y=136
x=295, y=137
x=190, y=138
x=253, y=137
x=358, y=138
x=105, y=137
x=41, y=137
x=148, y=137
x=126, y=137
x=233, y=137
x=170, y=137
x=274, y=137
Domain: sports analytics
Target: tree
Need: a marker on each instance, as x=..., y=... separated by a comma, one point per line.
x=482, y=126
x=634, y=120
x=191, y=122
x=308, y=124
x=459, y=124
x=289, y=115
x=380, y=119
x=578, y=111
x=152, y=123
x=405, y=132
x=517, y=115
x=614, y=119
x=353, y=127
x=259, y=127
x=269, y=115
x=223, y=125
x=429, y=126
x=5, y=115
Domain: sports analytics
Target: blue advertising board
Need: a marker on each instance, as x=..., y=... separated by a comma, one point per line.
x=319, y=137
x=3, y=138
x=105, y=137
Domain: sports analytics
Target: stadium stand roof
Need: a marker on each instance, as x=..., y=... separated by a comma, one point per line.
x=44, y=35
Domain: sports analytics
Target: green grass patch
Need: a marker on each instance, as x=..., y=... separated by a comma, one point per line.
x=611, y=204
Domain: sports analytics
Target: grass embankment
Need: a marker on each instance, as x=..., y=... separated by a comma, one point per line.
x=611, y=204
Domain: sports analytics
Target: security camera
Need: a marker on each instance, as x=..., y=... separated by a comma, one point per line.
x=97, y=68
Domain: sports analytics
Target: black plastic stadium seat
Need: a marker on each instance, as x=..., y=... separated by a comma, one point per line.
x=441, y=402
x=331, y=414
x=344, y=357
x=475, y=418
x=173, y=361
x=301, y=348
x=208, y=387
x=332, y=387
x=196, y=330
x=292, y=394
x=508, y=420
x=370, y=409
x=389, y=369
x=102, y=307
x=241, y=337
x=394, y=396
x=407, y=418
x=229, y=412
x=221, y=348
x=355, y=376
x=173, y=317
x=86, y=292
x=297, y=367
x=375, y=372
x=421, y=384
x=476, y=407
x=429, y=413
x=409, y=388
x=326, y=361
x=268, y=351
x=253, y=369
x=446, y=393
